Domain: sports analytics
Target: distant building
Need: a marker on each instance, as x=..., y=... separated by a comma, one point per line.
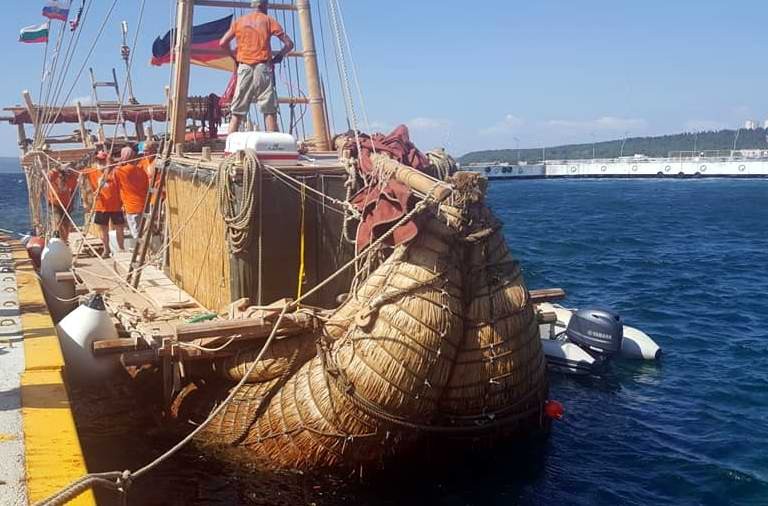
x=750, y=124
x=765, y=124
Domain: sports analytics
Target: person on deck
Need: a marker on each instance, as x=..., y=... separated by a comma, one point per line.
x=255, y=64
x=106, y=206
x=61, y=195
x=147, y=163
x=134, y=184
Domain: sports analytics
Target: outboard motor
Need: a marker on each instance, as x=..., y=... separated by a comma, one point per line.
x=599, y=332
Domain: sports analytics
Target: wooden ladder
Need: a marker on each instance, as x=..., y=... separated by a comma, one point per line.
x=103, y=106
x=146, y=225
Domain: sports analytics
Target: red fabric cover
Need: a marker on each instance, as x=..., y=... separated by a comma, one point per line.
x=229, y=92
x=382, y=207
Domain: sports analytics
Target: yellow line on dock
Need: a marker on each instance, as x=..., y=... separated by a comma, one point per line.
x=53, y=454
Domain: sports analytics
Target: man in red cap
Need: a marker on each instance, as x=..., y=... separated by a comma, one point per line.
x=255, y=64
x=107, y=208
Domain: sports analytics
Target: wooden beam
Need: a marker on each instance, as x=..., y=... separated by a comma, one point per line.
x=243, y=5
x=31, y=109
x=81, y=123
x=546, y=295
x=412, y=178
x=182, y=53
x=252, y=328
x=107, y=346
x=314, y=89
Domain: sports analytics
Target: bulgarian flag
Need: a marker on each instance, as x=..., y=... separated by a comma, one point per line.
x=204, y=47
x=34, y=34
x=56, y=9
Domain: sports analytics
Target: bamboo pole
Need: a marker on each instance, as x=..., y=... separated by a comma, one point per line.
x=412, y=178
x=81, y=122
x=181, y=70
x=316, y=100
x=31, y=110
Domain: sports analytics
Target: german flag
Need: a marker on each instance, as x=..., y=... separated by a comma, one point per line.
x=205, y=46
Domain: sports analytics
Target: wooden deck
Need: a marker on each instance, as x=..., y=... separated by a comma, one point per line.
x=155, y=308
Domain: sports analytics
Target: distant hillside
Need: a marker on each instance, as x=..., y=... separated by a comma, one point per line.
x=651, y=146
x=8, y=164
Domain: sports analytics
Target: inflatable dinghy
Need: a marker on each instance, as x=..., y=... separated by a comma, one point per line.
x=584, y=341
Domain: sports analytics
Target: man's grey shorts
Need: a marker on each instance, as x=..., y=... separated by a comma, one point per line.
x=254, y=84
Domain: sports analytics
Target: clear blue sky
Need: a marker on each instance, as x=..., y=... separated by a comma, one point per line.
x=476, y=75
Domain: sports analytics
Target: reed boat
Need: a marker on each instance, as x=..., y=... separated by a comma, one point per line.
x=324, y=301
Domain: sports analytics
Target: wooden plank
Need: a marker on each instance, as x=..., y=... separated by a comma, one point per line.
x=107, y=346
x=546, y=295
x=244, y=5
x=251, y=328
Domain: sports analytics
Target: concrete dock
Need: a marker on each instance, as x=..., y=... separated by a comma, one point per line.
x=39, y=448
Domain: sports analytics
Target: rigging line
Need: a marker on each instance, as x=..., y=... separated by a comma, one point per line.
x=43, y=77
x=129, y=66
x=344, y=75
x=328, y=98
x=354, y=71
x=43, y=101
x=284, y=175
x=85, y=62
x=298, y=74
x=69, y=54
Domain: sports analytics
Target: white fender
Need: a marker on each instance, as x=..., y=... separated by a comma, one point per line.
x=88, y=323
x=57, y=257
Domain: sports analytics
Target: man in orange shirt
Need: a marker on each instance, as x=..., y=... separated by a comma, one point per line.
x=148, y=162
x=61, y=194
x=255, y=64
x=134, y=184
x=107, y=206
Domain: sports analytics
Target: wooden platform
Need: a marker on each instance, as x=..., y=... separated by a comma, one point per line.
x=155, y=308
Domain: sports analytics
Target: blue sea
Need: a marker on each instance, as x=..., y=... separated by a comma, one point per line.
x=684, y=260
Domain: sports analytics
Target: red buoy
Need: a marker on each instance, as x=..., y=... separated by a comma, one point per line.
x=35, y=247
x=554, y=410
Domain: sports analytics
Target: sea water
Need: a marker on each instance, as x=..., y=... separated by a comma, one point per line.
x=684, y=260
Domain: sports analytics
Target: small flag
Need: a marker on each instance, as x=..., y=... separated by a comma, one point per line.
x=56, y=9
x=34, y=34
x=74, y=23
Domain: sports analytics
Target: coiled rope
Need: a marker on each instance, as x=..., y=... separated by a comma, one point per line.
x=237, y=211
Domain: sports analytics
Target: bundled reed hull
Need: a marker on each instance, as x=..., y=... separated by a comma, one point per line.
x=439, y=339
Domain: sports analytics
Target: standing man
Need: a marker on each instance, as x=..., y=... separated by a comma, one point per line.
x=134, y=184
x=61, y=194
x=107, y=206
x=255, y=64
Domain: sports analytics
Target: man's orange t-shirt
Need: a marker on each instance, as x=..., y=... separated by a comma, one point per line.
x=134, y=184
x=147, y=165
x=108, y=200
x=253, y=33
x=64, y=185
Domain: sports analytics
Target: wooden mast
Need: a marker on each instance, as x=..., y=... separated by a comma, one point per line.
x=316, y=100
x=185, y=12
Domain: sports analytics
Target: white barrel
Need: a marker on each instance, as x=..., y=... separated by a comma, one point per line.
x=60, y=295
x=88, y=323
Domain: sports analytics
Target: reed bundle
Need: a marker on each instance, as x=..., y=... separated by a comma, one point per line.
x=441, y=337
